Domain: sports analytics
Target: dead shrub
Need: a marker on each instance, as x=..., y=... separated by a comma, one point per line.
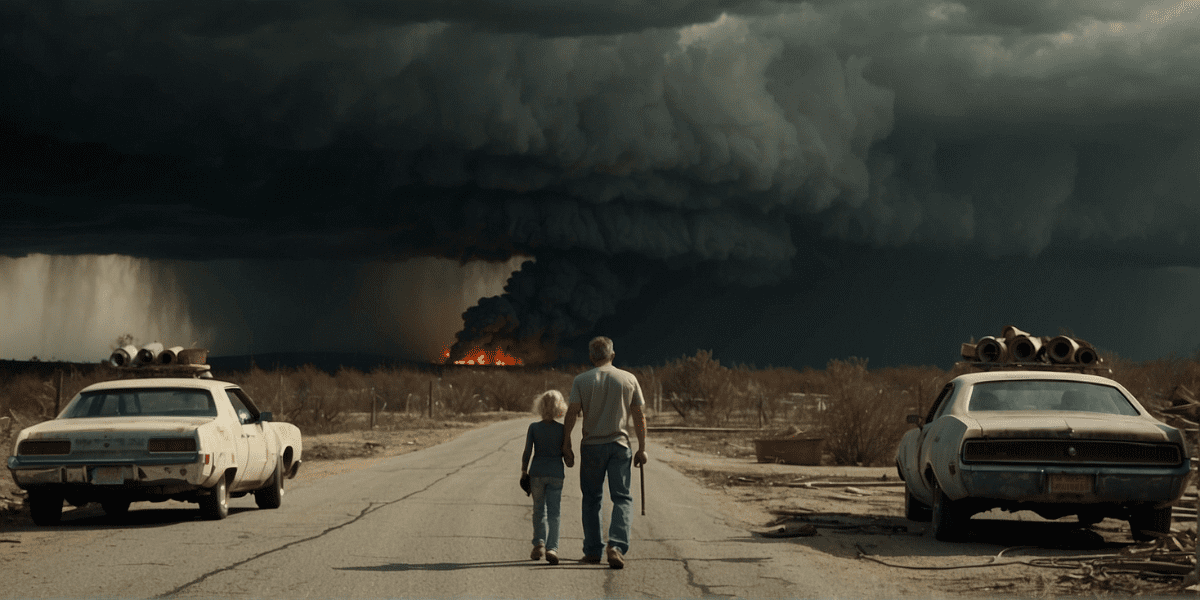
x=864, y=419
x=698, y=385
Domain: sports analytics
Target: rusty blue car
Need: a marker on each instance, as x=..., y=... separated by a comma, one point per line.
x=1055, y=443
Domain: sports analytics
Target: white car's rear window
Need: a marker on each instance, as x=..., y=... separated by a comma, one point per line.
x=1075, y=396
x=144, y=402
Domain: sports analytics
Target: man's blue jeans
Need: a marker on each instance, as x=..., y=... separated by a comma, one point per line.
x=598, y=461
x=547, y=498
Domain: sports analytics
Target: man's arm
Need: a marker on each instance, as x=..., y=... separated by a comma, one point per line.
x=639, y=429
x=568, y=425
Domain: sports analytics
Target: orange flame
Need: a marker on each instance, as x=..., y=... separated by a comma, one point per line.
x=479, y=356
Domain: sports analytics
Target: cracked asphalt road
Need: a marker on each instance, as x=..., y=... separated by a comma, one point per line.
x=445, y=522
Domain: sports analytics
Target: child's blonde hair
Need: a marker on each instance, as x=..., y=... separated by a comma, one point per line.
x=550, y=405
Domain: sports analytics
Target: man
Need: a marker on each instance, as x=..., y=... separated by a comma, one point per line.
x=605, y=396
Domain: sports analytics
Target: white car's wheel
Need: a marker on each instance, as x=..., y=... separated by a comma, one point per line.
x=45, y=508
x=271, y=496
x=949, y=518
x=115, y=508
x=215, y=505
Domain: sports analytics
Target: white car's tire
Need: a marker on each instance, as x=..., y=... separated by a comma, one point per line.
x=271, y=496
x=215, y=505
x=45, y=508
x=115, y=508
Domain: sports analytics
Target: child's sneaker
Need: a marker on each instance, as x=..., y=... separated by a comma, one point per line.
x=536, y=553
x=552, y=557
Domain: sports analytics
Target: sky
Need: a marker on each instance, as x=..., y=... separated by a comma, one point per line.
x=783, y=183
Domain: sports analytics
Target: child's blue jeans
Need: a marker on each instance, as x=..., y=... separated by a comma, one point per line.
x=547, y=501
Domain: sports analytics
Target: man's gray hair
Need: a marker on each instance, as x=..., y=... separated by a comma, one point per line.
x=600, y=348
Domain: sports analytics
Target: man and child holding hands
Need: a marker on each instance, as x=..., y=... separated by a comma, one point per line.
x=605, y=396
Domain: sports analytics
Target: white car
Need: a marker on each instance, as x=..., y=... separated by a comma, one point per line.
x=155, y=439
x=1056, y=443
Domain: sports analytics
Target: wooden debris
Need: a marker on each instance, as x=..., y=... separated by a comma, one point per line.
x=1171, y=555
x=830, y=484
x=846, y=523
x=1182, y=396
x=791, y=529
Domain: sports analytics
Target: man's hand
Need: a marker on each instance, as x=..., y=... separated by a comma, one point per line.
x=639, y=428
x=568, y=455
x=568, y=426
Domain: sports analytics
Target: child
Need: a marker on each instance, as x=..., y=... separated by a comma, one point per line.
x=544, y=441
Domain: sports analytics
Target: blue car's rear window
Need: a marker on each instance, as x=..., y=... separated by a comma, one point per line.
x=156, y=402
x=1075, y=396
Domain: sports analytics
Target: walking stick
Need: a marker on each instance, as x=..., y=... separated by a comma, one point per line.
x=642, y=474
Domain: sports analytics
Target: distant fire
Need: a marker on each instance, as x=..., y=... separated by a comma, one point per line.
x=479, y=356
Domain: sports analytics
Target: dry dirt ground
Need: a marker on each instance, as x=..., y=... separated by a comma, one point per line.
x=857, y=514
x=851, y=517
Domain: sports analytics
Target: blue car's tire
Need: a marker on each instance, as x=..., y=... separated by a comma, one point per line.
x=949, y=517
x=1144, y=523
x=915, y=510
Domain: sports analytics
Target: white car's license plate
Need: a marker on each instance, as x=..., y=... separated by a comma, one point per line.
x=108, y=475
x=1062, y=483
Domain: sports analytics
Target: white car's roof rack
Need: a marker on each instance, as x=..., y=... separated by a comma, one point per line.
x=1016, y=350
x=1094, y=368
x=153, y=360
x=148, y=371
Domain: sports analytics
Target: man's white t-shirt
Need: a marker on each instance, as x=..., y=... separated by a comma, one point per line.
x=606, y=394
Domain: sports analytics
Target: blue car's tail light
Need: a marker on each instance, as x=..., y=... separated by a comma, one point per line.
x=44, y=447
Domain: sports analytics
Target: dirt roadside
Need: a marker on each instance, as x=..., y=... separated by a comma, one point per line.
x=856, y=515
x=850, y=519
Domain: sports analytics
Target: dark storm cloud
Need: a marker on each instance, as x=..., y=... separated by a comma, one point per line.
x=614, y=142
x=1040, y=16
x=540, y=17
